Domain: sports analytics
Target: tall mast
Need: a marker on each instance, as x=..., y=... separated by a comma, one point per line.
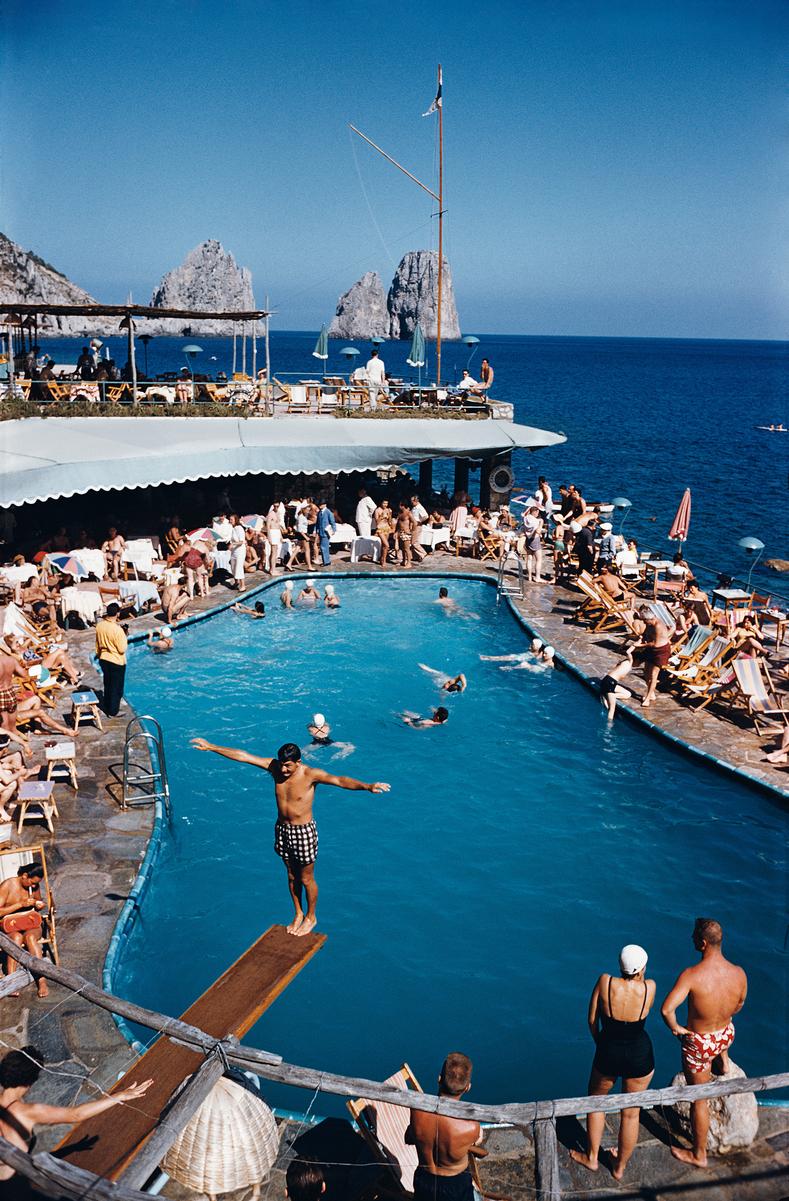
x=440, y=222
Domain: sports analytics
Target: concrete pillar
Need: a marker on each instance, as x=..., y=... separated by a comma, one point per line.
x=461, y=475
x=484, y=482
x=426, y=477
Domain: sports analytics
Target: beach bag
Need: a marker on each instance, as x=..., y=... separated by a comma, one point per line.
x=20, y=923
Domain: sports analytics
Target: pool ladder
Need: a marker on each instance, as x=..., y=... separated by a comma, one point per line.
x=505, y=586
x=141, y=785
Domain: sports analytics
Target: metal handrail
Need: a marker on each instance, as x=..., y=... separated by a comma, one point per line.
x=503, y=588
x=141, y=787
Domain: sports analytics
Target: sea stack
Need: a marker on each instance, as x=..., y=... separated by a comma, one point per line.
x=361, y=311
x=208, y=278
x=414, y=296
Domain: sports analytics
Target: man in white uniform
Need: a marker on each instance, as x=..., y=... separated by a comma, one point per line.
x=420, y=516
x=376, y=377
x=364, y=514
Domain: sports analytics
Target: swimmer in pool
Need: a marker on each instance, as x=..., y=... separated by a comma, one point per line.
x=457, y=683
x=330, y=598
x=438, y=718
x=545, y=661
x=320, y=730
x=611, y=687
x=451, y=607
x=160, y=641
x=256, y=613
x=286, y=595
x=309, y=594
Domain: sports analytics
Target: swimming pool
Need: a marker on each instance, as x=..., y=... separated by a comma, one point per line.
x=473, y=906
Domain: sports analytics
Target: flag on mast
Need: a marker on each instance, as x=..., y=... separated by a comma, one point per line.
x=437, y=102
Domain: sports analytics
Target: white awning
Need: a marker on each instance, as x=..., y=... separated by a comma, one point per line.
x=46, y=458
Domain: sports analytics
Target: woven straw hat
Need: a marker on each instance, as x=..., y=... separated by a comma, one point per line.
x=230, y=1143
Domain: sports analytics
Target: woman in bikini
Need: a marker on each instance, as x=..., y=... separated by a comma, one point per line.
x=618, y=1009
x=384, y=528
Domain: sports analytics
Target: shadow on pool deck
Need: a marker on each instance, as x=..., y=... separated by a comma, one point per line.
x=96, y=851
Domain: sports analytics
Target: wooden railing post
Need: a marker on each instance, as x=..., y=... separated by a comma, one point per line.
x=546, y=1160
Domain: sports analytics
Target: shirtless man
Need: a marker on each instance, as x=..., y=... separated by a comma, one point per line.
x=295, y=834
x=654, y=650
x=437, y=718
x=18, y=895
x=405, y=527
x=113, y=549
x=12, y=707
x=715, y=990
x=443, y=1145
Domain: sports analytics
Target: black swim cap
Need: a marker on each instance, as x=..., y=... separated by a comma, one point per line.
x=260, y=607
x=289, y=753
x=441, y=714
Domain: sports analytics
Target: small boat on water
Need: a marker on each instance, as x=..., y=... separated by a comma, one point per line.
x=772, y=429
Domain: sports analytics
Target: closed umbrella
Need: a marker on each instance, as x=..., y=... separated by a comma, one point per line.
x=681, y=524
x=321, y=350
x=416, y=355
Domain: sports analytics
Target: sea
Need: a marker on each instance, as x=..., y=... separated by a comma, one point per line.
x=645, y=418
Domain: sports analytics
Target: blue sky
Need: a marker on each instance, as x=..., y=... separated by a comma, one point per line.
x=612, y=168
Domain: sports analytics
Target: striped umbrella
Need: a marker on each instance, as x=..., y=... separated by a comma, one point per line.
x=203, y=534
x=681, y=524
x=68, y=565
x=253, y=521
x=321, y=350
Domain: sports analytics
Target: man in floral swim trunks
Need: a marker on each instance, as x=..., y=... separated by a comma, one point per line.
x=295, y=834
x=715, y=990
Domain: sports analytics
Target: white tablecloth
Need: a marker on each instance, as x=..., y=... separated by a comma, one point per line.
x=19, y=575
x=366, y=546
x=343, y=535
x=87, y=604
x=140, y=591
x=221, y=559
x=92, y=560
x=430, y=538
x=171, y=575
x=141, y=554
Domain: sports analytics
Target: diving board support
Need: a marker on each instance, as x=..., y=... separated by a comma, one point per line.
x=229, y=1008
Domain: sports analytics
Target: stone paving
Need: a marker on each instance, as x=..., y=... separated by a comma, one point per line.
x=95, y=853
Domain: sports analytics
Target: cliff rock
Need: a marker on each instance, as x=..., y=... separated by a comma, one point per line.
x=26, y=277
x=361, y=311
x=208, y=278
x=414, y=296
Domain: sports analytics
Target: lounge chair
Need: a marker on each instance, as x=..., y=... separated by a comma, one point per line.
x=662, y=613
x=699, y=676
x=607, y=613
x=691, y=649
x=720, y=688
x=758, y=692
x=383, y=1127
x=10, y=862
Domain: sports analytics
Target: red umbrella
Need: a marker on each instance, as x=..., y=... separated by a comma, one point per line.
x=681, y=525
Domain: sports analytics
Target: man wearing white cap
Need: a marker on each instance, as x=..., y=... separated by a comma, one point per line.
x=608, y=543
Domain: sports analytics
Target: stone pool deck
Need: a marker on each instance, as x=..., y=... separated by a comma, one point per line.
x=96, y=851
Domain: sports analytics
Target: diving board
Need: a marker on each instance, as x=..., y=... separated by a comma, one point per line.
x=107, y=1143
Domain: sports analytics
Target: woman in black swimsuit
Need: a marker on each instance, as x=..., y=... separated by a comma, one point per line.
x=617, y=1012
x=19, y=1071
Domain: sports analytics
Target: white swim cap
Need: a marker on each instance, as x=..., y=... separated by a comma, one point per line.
x=536, y=644
x=310, y=583
x=166, y=632
x=632, y=959
x=288, y=585
x=575, y=527
x=329, y=590
x=549, y=652
x=318, y=720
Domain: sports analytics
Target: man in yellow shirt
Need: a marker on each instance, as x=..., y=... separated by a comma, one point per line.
x=111, y=645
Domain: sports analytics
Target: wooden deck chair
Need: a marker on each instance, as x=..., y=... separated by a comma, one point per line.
x=491, y=545
x=16, y=622
x=719, y=689
x=613, y=614
x=10, y=862
x=704, y=673
x=691, y=650
x=47, y=690
x=591, y=603
x=662, y=613
x=758, y=692
x=298, y=401
x=383, y=1127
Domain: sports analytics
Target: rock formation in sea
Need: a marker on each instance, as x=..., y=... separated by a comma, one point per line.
x=414, y=296
x=361, y=311
x=208, y=278
x=27, y=278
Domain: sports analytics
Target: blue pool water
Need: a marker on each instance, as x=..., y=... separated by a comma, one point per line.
x=473, y=906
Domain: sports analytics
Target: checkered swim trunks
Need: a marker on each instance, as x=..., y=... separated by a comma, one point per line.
x=297, y=844
x=699, y=1050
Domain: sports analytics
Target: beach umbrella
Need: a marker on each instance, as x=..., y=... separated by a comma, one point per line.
x=253, y=521
x=416, y=355
x=681, y=524
x=321, y=350
x=349, y=352
x=69, y=566
x=203, y=534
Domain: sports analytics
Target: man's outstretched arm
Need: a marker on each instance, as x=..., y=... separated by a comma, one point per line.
x=324, y=777
x=230, y=752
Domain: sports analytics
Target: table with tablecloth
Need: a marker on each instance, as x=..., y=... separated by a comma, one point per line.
x=344, y=534
x=19, y=574
x=139, y=591
x=140, y=554
x=92, y=560
x=430, y=538
x=86, y=605
x=220, y=559
x=366, y=548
